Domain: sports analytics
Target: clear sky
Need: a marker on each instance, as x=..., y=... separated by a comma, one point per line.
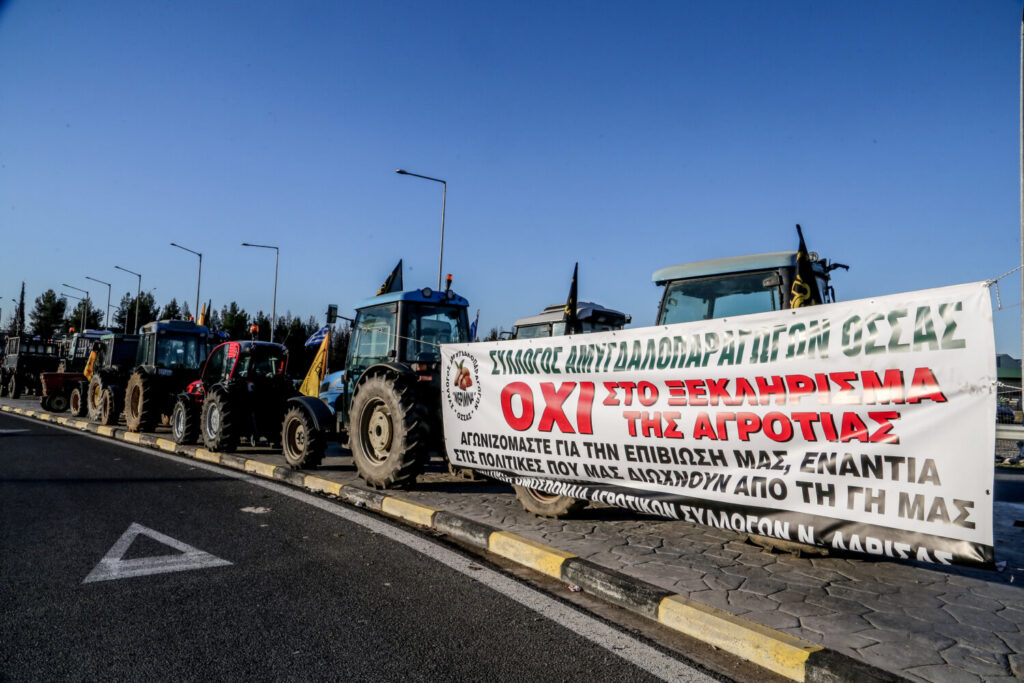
x=627, y=136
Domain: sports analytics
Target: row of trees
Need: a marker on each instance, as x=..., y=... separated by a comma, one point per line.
x=51, y=317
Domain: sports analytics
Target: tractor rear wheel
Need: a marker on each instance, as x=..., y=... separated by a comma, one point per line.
x=141, y=403
x=217, y=424
x=111, y=405
x=13, y=387
x=387, y=433
x=58, y=403
x=185, y=421
x=547, y=504
x=94, y=396
x=302, y=444
x=77, y=402
x=44, y=403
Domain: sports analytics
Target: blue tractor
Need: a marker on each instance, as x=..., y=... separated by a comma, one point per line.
x=386, y=404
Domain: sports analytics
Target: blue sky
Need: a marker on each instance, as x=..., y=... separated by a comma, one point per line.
x=627, y=136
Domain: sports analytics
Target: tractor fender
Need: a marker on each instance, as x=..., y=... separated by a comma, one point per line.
x=323, y=418
x=390, y=367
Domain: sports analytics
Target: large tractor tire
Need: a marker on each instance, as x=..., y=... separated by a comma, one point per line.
x=141, y=403
x=111, y=405
x=185, y=421
x=218, y=423
x=77, y=402
x=548, y=504
x=44, y=403
x=302, y=444
x=94, y=397
x=388, y=434
x=58, y=403
x=14, y=387
x=3, y=385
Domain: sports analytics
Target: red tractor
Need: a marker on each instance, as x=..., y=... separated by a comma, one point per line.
x=242, y=393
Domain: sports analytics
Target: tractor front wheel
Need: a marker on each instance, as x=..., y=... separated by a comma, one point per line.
x=388, y=434
x=547, y=504
x=94, y=396
x=13, y=387
x=217, y=423
x=140, y=403
x=77, y=401
x=44, y=403
x=185, y=421
x=111, y=405
x=302, y=444
x=58, y=403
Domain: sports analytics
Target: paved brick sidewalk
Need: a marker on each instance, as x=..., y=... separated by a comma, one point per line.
x=924, y=622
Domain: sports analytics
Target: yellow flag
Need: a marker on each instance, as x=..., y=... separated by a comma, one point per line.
x=90, y=365
x=311, y=385
x=202, y=315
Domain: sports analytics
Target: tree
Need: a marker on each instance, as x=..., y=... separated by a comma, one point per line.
x=234, y=321
x=341, y=335
x=125, y=316
x=17, y=326
x=92, y=315
x=172, y=311
x=492, y=335
x=48, y=314
x=263, y=323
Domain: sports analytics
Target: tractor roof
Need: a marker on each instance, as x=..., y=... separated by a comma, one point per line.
x=730, y=264
x=182, y=326
x=423, y=296
x=249, y=346
x=556, y=312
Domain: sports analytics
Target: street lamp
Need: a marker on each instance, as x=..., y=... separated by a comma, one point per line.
x=85, y=308
x=200, y=280
x=138, y=294
x=106, y=317
x=444, y=193
x=273, y=313
x=69, y=296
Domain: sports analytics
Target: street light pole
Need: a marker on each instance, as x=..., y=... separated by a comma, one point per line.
x=444, y=197
x=273, y=312
x=200, y=280
x=106, y=317
x=138, y=295
x=86, y=307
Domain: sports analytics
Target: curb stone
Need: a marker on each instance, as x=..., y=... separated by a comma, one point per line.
x=788, y=655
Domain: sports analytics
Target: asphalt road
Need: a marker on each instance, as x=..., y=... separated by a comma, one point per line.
x=261, y=584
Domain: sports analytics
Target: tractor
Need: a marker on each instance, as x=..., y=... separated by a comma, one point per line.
x=242, y=393
x=24, y=361
x=170, y=356
x=102, y=396
x=386, y=404
x=74, y=355
x=551, y=321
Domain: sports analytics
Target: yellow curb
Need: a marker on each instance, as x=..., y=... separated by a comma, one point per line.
x=261, y=468
x=44, y=416
x=166, y=445
x=62, y=420
x=30, y=413
x=82, y=424
x=409, y=511
x=105, y=430
x=543, y=558
x=6, y=409
x=782, y=653
x=323, y=485
x=132, y=437
x=207, y=456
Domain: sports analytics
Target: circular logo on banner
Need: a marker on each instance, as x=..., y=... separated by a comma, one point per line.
x=462, y=384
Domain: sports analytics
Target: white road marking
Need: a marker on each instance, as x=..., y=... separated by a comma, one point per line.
x=256, y=510
x=613, y=640
x=113, y=566
x=4, y=432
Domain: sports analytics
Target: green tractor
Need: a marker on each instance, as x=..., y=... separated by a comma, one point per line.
x=386, y=404
x=170, y=356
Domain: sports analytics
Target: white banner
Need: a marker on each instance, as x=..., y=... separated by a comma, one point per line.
x=866, y=426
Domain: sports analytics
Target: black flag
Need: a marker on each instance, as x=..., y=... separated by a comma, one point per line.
x=394, y=281
x=572, y=321
x=804, y=291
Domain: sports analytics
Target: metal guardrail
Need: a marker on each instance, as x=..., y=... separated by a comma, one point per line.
x=1011, y=432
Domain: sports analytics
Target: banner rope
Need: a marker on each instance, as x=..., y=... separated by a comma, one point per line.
x=995, y=281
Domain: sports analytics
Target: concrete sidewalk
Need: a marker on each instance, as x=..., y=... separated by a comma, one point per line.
x=918, y=621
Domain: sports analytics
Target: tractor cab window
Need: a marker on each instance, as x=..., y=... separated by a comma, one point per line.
x=428, y=326
x=179, y=351
x=216, y=366
x=721, y=296
x=535, y=331
x=262, y=362
x=373, y=336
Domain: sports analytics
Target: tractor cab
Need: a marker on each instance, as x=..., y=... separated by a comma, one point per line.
x=551, y=322
x=252, y=362
x=732, y=286
x=74, y=350
x=172, y=347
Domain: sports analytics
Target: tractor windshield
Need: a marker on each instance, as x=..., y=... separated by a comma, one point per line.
x=535, y=331
x=721, y=296
x=263, y=361
x=180, y=351
x=426, y=327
